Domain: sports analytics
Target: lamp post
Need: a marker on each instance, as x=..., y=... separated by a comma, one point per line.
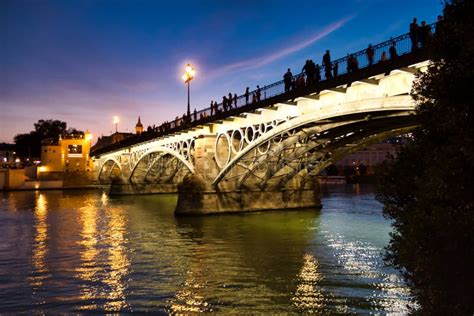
x=187, y=77
x=116, y=121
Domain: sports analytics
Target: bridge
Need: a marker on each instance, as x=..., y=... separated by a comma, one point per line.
x=264, y=154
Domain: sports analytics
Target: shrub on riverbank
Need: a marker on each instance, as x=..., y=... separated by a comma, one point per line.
x=429, y=189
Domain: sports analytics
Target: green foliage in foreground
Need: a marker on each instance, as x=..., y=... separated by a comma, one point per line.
x=429, y=189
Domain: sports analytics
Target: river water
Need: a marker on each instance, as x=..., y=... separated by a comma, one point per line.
x=80, y=251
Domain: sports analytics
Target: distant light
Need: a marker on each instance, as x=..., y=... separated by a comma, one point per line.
x=42, y=169
x=4, y=159
x=89, y=137
x=116, y=120
x=189, y=74
x=17, y=160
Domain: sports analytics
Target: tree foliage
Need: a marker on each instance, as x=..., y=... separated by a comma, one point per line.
x=429, y=189
x=29, y=144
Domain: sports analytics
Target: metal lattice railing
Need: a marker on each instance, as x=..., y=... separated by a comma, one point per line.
x=402, y=45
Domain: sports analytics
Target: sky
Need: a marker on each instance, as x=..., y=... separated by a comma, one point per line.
x=84, y=62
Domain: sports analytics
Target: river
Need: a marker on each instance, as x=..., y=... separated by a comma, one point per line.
x=82, y=251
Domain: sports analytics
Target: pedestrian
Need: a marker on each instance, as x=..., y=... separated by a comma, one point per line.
x=300, y=82
x=327, y=65
x=287, y=79
x=414, y=34
x=195, y=115
x=258, y=93
x=335, y=69
x=393, y=51
x=235, y=100
x=224, y=103
x=309, y=72
x=317, y=73
x=439, y=27
x=370, y=54
x=212, y=107
x=424, y=34
x=229, y=102
x=246, y=95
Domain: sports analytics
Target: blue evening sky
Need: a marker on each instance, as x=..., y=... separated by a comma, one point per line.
x=85, y=61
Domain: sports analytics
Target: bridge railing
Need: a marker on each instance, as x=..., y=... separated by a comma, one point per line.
x=402, y=45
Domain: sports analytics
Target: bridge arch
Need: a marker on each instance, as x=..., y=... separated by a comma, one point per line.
x=110, y=163
x=153, y=156
x=299, y=142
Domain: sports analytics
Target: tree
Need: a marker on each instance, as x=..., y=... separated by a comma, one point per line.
x=428, y=190
x=29, y=145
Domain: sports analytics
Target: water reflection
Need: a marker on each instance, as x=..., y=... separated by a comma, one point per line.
x=104, y=262
x=89, y=269
x=38, y=256
x=118, y=261
x=84, y=251
x=309, y=297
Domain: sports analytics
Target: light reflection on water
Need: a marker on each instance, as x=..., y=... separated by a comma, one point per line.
x=84, y=251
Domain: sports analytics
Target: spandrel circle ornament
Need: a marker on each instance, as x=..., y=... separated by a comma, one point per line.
x=222, y=150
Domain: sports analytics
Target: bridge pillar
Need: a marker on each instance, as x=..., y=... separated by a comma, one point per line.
x=197, y=197
x=214, y=202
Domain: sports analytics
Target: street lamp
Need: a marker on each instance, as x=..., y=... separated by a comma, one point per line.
x=116, y=121
x=187, y=77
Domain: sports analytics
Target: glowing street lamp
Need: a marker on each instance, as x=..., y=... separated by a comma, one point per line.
x=187, y=77
x=116, y=121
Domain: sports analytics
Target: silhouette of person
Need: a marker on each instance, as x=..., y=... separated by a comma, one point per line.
x=246, y=95
x=439, y=27
x=195, y=114
x=327, y=65
x=414, y=34
x=229, y=102
x=370, y=54
x=317, y=73
x=258, y=93
x=224, y=103
x=424, y=34
x=393, y=52
x=308, y=69
x=212, y=107
x=288, y=79
x=235, y=100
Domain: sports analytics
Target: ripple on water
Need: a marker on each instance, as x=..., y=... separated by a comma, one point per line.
x=86, y=252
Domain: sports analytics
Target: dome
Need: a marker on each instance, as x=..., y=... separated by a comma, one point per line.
x=139, y=123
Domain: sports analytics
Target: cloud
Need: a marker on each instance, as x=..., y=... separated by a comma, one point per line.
x=260, y=61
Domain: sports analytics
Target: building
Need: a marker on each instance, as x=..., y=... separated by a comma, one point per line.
x=369, y=156
x=71, y=153
x=7, y=153
x=104, y=141
x=139, y=127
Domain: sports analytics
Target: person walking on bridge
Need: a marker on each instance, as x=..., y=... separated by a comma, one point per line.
x=327, y=65
x=370, y=54
x=392, y=51
x=288, y=80
x=224, y=103
x=229, y=102
x=246, y=94
x=414, y=34
x=424, y=34
x=258, y=93
x=309, y=69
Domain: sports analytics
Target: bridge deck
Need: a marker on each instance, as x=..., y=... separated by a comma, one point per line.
x=275, y=93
